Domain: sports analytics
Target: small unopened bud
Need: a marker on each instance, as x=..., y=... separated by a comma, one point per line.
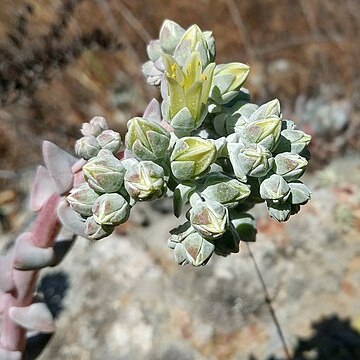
x=145, y=181
x=170, y=35
x=228, y=79
x=265, y=132
x=189, y=246
x=104, y=173
x=209, y=218
x=279, y=211
x=95, y=127
x=95, y=231
x=300, y=194
x=87, y=147
x=191, y=157
x=254, y=160
x=274, y=188
x=147, y=140
x=110, y=209
x=110, y=140
x=81, y=199
x=290, y=166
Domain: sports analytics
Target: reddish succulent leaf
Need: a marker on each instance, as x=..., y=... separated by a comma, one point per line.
x=36, y=317
x=42, y=188
x=59, y=164
x=10, y=355
x=27, y=256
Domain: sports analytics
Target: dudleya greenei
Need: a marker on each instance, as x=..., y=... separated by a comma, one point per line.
x=204, y=143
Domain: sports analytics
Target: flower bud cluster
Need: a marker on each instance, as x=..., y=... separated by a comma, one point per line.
x=97, y=136
x=112, y=185
x=205, y=144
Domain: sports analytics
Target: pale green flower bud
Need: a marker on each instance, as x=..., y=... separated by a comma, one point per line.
x=95, y=127
x=290, y=166
x=194, y=40
x=209, y=218
x=191, y=157
x=300, y=194
x=293, y=141
x=81, y=199
x=265, y=132
x=225, y=190
x=274, y=188
x=87, y=147
x=268, y=110
x=145, y=181
x=170, y=35
x=187, y=94
x=279, y=211
x=95, y=231
x=189, y=246
x=109, y=140
x=254, y=160
x=228, y=78
x=147, y=140
x=110, y=209
x=153, y=72
x=104, y=173
x=154, y=50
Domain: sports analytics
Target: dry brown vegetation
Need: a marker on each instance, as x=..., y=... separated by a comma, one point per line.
x=61, y=62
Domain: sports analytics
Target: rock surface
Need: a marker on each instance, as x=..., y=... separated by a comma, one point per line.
x=128, y=300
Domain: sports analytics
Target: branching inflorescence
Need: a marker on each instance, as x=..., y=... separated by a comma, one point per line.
x=205, y=144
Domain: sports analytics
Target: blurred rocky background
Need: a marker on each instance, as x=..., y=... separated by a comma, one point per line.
x=124, y=298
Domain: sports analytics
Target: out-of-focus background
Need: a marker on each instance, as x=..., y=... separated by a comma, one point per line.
x=65, y=61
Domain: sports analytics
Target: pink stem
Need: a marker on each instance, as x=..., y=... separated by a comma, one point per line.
x=44, y=233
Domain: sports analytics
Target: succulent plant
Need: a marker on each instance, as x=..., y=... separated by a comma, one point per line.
x=205, y=144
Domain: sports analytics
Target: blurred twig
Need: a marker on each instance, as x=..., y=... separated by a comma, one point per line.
x=269, y=304
x=242, y=29
x=133, y=22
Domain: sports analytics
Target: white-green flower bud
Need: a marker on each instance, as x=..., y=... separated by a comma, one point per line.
x=104, y=173
x=154, y=50
x=293, y=141
x=265, y=132
x=269, y=110
x=225, y=190
x=290, y=166
x=147, y=140
x=191, y=157
x=109, y=140
x=95, y=127
x=145, y=181
x=170, y=35
x=254, y=160
x=189, y=246
x=274, y=188
x=228, y=78
x=95, y=231
x=153, y=72
x=209, y=218
x=279, y=211
x=300, y=194
x=81, y=199
x=110, y=209
x=87, y=147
